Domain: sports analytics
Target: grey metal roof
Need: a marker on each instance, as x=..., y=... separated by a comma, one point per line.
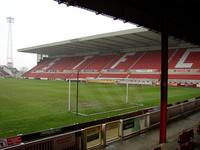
x=126, y=40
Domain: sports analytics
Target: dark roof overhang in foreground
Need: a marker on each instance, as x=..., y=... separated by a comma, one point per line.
x=182, y=15
x=127, y=40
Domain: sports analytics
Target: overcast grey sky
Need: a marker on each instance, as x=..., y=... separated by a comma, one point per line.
x=44, y=21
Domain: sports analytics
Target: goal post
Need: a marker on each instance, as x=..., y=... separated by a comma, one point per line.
x=69, y=95
x=127, y=89
x=112, y=81
x=96, y=96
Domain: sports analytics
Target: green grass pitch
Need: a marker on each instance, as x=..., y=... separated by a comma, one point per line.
x=33, y=105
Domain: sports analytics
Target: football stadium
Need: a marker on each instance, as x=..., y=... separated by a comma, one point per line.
x=96, y=77
x=91, y=92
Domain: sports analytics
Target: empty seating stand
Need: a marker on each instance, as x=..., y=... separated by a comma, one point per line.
x=66, y=63
x=99, y=62
x=126, y=61
x=184, y=64
x=150, y=60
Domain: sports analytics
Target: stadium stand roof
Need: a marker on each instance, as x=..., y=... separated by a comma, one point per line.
x=182, y=15
x=126, y=40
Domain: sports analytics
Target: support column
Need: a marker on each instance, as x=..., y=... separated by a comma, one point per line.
x=164, y=81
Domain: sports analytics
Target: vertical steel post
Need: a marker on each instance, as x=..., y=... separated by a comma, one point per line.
x=77, y=92
x=164, y=81
x=127, y=91
x=69, y=96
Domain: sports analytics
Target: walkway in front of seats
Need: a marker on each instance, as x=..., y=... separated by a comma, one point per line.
x=150, y=139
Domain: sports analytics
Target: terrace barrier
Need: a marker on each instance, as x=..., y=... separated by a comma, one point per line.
x=67, y=141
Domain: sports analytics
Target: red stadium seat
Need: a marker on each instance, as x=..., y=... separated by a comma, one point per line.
x=139, y=65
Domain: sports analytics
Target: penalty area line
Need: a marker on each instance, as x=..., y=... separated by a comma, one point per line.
x=140, y=105
x=81, y=114
x=120, y=109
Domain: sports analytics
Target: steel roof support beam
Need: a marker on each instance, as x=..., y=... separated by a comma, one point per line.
x=164, y=81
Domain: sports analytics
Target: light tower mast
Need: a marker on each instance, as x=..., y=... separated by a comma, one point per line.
x=10, y=20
